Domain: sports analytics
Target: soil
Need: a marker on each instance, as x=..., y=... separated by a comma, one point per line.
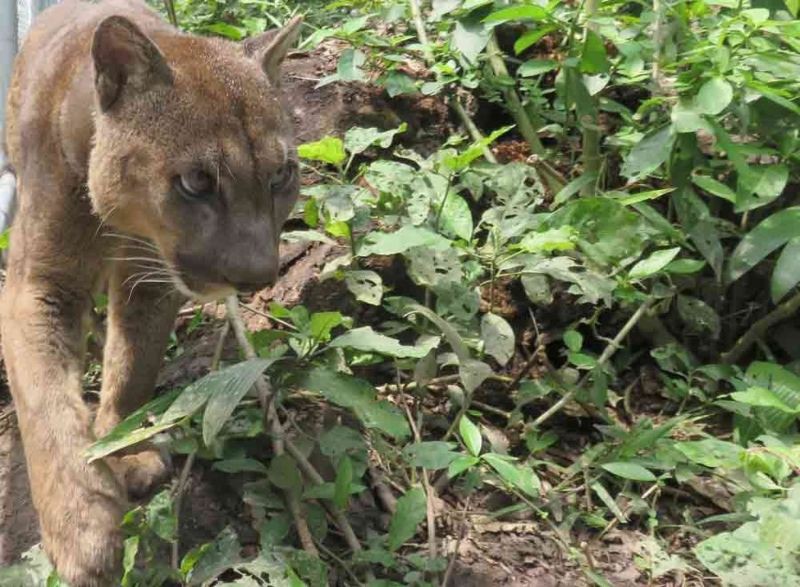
x=490, y=551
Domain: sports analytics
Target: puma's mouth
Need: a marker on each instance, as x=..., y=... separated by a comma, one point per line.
x=206, y=293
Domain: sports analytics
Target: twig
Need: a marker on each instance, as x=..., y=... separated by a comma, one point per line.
x=784, y=311
x=385, y=494
x=342, y=563
x=272, y=423
x=217, y=356
x=276, y=428
x=430, y=492
x=266, y=315
x=451, y=565
x=180, y=488
x=607, y=354
x=419, y=24
x=472, y=129
x=173, y=17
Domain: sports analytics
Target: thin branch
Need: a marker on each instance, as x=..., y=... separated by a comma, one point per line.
x=180, y=489
x=272, y=423
x=280, y=442
x=607, y=354
x=472, y=129
x=171, y=14
x=784, y=311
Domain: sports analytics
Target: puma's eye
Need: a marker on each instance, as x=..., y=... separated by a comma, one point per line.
x=283, y=177
x=195, y=184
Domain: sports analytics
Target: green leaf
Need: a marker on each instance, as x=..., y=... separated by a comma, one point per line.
x=685, y=266
x=230, y=386
x=519, y=12
x=358, y=395
x=654, y=263
x=711, y=452
x=593, y=55
x=240, y=465
x=400, y=241
x=397, y=83
x=714, y=96
x=327, y=149
x=698, y=316
x=411, y=510
x=768, y=235
x=630, y=471
x=760, y=552
x=322, y=323
x=762, y=397
x=536, y=67
x=563, y=238
x=532, y=37
x=609, y=501
x=461, y=464
x=521, y=477
x=357, y=139
x=433, y=454
x=765, y=181
x=456, y=218
x=221, y=555
x=498, y=338
x=786, y=274
x=366, y=339
x=574, y=340
x=344, y=478
x=471, y=435
x=470, y=37
x=686, y=118
x=284, y=474
x=160, y=516
x=714, y=187
x=649, y=153
x=366, y=286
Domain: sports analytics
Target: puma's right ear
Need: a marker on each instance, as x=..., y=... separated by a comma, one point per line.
x=125, y=59
x=270, y=48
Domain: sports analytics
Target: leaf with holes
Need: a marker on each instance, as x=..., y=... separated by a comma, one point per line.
x=400, y=241
x=498, y=338
x=366, y=286
x=366, y=339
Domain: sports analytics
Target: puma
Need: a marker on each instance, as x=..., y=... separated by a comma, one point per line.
x=154, y=164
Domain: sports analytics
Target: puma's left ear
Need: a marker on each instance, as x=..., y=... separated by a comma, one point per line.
x=270, y=48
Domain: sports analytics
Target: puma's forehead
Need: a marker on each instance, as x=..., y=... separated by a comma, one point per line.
x=221, y=109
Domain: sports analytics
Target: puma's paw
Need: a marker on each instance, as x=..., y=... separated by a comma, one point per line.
x=81, y=533
x=140, y=472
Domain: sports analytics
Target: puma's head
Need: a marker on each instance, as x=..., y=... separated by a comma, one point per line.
x=194, y=151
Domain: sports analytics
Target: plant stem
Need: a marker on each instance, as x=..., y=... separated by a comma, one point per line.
x=784, y=311
x=271, y=423
x=173, y=17
x=419, y=24
x=589, y=126
x=607, y=354
x=472, y=129
x=513, y=102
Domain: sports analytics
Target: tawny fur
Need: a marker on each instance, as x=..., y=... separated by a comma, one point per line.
x=103, y=118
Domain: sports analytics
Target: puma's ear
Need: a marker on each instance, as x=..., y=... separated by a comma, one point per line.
x=125, y=59
x=270, y=48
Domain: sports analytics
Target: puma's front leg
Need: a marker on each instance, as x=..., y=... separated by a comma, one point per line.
x=80, y=505
x=141, y=314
